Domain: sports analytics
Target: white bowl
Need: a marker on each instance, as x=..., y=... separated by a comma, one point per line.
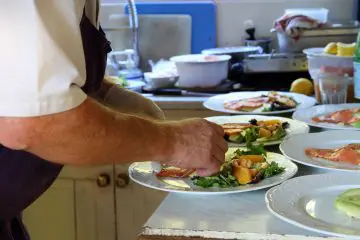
x=160, y=81
x=200, y=70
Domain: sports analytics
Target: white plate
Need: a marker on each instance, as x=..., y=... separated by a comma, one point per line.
x=306, y=115
x=308, y=202
x=142, y=174
x=295, y=146
x=216, y=103
x=295, y=127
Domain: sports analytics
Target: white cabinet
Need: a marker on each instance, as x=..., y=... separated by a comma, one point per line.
x=75, y=207
x=52, y=216
x=134, y=204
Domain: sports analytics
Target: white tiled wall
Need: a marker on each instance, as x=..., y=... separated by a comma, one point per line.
x=232, y=14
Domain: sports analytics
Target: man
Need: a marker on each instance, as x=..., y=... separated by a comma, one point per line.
x=52, y=108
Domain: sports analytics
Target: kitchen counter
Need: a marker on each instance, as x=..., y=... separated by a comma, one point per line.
x=236, y=216
x=179, y=102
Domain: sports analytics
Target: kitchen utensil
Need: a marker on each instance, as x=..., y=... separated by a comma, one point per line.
x=320, y=14
x=319, y=62
x=295, y=127
x=156, y=80
x=307, y=114
x=237, y=53
x=334, y=32
x=143, y=174
x=264, y=43
x=250, y=29
x=216, y=103
x=333, y=88
x=275, y=62
x=198, y=70
x=308, y=202
x=322, y=140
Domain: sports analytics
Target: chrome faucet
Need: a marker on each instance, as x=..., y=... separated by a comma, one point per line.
x=134, y=25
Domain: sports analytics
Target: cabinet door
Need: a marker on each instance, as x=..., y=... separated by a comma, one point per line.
x=95, y=211
x=78, y=206
x=52, y=216
x=134, y=205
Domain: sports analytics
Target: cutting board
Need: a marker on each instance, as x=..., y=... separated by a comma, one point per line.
x=160, y=36
x=203, y=15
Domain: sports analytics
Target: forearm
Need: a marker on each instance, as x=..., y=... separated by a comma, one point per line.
x=87, y=135
x=126, y=101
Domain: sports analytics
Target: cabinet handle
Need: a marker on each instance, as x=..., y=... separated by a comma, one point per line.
x=103, y=180
x=122, y=180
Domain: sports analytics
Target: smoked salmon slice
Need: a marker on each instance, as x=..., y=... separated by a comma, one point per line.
x=346, y=116
x=173, y=172
x=347, y=154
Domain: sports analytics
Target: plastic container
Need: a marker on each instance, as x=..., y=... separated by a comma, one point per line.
x=333, y=88
x=320, y=14
x=357, y=80
x=319, y=62
x=203, y=71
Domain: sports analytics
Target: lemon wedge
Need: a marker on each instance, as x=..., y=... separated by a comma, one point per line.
x=346, y=50
x=331, y=48
x=302, y=86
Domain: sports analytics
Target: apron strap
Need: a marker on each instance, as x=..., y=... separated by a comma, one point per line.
x=92, y=9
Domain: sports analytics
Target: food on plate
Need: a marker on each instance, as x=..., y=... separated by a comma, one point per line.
x=349, y=203
x=245, y=166
x=340, y=49
x=346, y=154
x=255, y=131
x=273, y=101
x=346, y=117
x=174, y=172
x=302, y=86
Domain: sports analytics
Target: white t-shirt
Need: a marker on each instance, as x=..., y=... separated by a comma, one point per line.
x=42, y=66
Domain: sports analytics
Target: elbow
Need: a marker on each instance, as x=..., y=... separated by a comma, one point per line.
x=15, y=133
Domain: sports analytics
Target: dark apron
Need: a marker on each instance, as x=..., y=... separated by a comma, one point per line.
x=25, y=177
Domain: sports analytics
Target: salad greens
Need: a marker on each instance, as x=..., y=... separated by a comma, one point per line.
x=226, y=179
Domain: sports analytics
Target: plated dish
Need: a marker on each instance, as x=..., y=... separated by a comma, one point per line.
x=256, y=129
x=246, y=169
x=339, y=116
x=330, y=150
x=260, y=103
x=325, y=203
x=269, y=102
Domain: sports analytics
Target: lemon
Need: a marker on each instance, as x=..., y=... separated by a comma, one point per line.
x=346, y=50
x=331, y=48
x=302, y=86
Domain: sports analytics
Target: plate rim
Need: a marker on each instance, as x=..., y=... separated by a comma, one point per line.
x=315, y=165
x=330, y=126
x=269, y=143
x=206, y=103
x=291, y=175
x=297, y=223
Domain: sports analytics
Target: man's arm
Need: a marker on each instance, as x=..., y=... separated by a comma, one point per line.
x=92, y=134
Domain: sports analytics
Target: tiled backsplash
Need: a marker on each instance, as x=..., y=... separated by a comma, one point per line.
x=231, y=14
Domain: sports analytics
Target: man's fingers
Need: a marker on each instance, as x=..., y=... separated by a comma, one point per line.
x=222, y=144
x=210, y=169
x=217, y=128
x=219, y=155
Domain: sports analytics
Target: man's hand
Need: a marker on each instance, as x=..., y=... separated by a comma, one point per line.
x=200, y=145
